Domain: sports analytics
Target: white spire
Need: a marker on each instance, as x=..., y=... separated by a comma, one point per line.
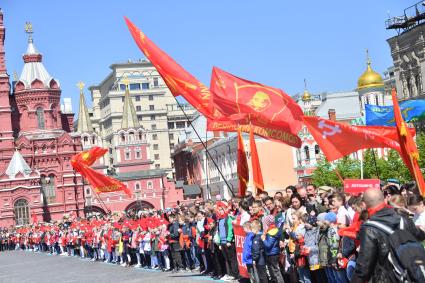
x=16, y=165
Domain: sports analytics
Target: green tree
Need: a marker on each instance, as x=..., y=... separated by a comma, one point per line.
x=324, y=175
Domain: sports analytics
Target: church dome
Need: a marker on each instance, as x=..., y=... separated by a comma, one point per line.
x=306, y=96
x=369, y=78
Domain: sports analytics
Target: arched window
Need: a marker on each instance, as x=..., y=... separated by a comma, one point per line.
x=131, y=136
x=40, y=118
x=307, y=153
x=150, y=185
x=122, y=137
x=316, y=149
x=376, y=100
x=21, y=212
x=140, y=136
x=93, y=140
x=137, y=187
x=48, y=188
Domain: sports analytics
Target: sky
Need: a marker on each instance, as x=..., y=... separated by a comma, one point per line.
x=275, y=42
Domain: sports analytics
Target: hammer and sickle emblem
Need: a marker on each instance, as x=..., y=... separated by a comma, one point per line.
x=329, y=130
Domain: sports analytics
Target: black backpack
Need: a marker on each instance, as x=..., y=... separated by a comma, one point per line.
x=407, y=255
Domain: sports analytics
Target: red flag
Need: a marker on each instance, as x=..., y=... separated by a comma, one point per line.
x=408, y=150
x=90, y=156
x=338, y=139
x=265, y=106
x=178, y=80
x=243, y=171
x=257, y=176
x=99, y=182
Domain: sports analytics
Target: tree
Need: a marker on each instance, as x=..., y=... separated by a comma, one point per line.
x=326, y=173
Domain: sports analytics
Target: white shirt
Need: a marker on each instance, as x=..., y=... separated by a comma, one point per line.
x=343, y=217
x=419, y=219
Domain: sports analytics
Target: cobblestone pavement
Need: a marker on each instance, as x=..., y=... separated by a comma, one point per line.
x=29, y=267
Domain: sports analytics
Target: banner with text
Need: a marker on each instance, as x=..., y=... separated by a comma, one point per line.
x=358, y=186
x=239, y=240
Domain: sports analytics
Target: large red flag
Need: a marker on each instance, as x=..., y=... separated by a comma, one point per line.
x=243, y=171
x=338, y=139
x=265, y=106
x=90, y=156
x=100, y=183
x=178, y=80
x=257, y=176
x=408, y=150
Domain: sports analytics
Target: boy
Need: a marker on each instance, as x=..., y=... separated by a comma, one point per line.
x=247, y=250
x=258, y=254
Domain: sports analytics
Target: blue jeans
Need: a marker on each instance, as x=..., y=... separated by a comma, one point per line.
x=193, y=255
x=330, y=275
x=340, y=276
x=350, y=269
x=304, y=275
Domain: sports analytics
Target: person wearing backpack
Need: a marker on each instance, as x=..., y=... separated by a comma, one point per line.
x=376, y=244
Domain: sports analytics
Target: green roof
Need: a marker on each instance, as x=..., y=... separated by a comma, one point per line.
x=190, y=190
x=143, y=174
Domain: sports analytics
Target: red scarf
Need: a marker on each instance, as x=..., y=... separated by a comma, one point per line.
x=372, y=211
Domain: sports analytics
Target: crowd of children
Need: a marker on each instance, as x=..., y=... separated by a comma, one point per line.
x=298, y=235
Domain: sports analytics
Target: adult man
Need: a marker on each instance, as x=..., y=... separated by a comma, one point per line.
x=313, y=200
x=372, y=262
x=269, y=204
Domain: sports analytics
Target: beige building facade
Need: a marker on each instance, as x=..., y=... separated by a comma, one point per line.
x=156, y=109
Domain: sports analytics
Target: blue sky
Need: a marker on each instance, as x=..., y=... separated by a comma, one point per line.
x=276, y=42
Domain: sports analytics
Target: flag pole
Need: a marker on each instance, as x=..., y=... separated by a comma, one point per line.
x=376, y=166
x=204, y=145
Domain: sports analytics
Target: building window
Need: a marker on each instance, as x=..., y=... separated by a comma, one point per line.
x=122, y=137
x=155, y=137
x=155, y=82
x=21, y=210
x=134, y=86
x=151, y=107
x=137, y=97
x=150, y=185
x=145, y=85
x=171, y=136
x=48, y=188
x=171, y=145
x=156, y=156
x=155, y=146
x=157, y=166
x=180, y=125
x=376, y=100
x=138, y=154
x=316, y=149
x=138, y=108
x=150, y=97
x=127, y=154
x=122, y=87
x=171, y=125
x=153, y=126
x=40, y=118
x=122, y=99
x=153, y=117
x=137, y=187
x=307, y=153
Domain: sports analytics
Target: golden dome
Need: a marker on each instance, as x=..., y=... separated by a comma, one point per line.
x=369, y=78
x=306, y=96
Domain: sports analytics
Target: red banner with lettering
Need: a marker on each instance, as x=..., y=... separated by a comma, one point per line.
x=358, y=186
x=239, y=240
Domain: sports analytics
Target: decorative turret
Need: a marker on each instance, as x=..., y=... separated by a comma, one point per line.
x=129, y=117
x=84, y=123
x=36, y=93
x=34, y=70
